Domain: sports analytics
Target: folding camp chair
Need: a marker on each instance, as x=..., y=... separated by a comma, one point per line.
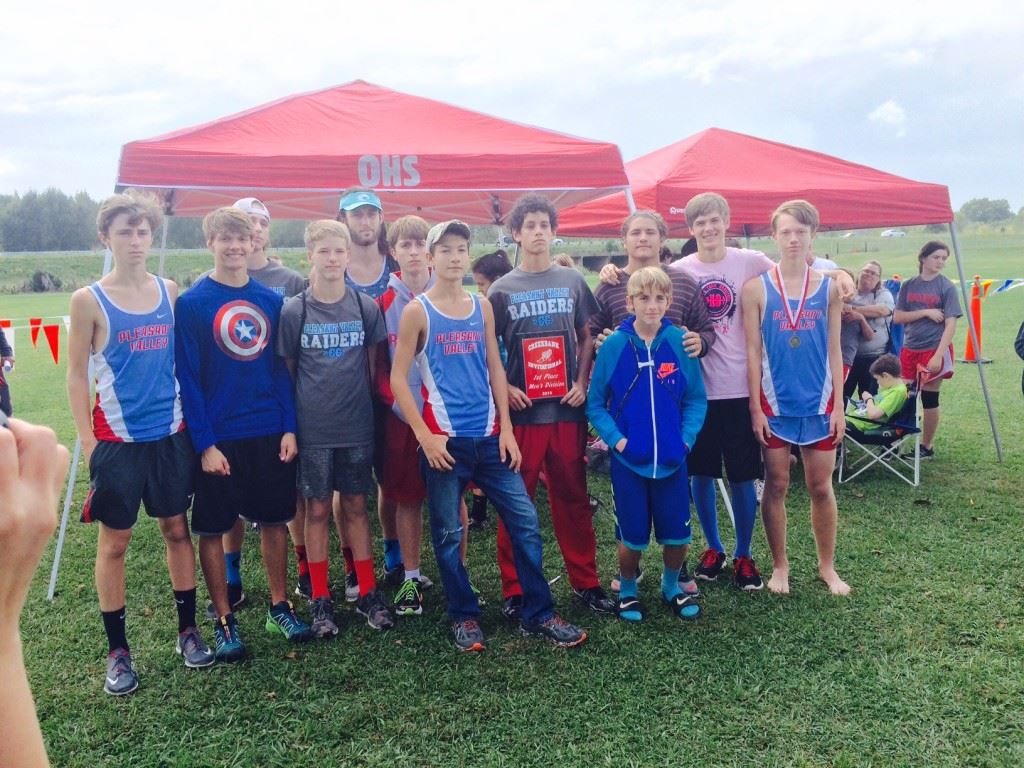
x=881, y=445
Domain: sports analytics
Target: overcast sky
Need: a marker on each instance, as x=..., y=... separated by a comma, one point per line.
x=936, y=97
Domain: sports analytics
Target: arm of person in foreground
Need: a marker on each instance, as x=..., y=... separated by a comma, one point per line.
x=508, y=448
x=695, y=401
x=847, y=290
x=935, y=363
x=80, y=331
x=752, y=297
x=837, y=419
x=32, y=468
x=411, y=329
x=597, y=399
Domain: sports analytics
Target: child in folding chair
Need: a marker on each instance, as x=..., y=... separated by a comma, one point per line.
x=892, y=395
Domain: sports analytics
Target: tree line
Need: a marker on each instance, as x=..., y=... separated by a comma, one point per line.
x=54, y=221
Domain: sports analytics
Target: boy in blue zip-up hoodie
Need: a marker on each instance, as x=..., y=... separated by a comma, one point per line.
x=647, y=401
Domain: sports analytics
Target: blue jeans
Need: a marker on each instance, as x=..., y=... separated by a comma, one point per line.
x=477, y=460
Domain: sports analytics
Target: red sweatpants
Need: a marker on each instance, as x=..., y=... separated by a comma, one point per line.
x=558, y=450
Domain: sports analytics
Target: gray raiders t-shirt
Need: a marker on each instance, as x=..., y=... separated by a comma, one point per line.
x=918, y=293
x=332, y=388
x=536, y=314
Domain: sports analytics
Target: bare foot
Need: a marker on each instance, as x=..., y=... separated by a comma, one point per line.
x=835, y=585
x=779, y=582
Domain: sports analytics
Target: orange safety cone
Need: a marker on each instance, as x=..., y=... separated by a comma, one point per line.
x=970, y=354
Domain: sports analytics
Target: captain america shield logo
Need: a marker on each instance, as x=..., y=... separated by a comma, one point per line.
x=242, y=330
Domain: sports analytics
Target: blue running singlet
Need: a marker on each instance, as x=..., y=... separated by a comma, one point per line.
x=137, y=396
x=795, y=377
x=453, y=364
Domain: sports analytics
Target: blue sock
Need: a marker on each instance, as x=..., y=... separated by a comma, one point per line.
x=744, y=510
x=670, y=583
x=392, y=554
x=233, y=563
x=703, y=490
x=627, y=588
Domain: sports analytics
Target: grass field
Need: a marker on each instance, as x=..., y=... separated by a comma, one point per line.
x=921, y=666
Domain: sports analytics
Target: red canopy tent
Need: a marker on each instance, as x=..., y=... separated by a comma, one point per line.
x=422, y=156
x=755, y=175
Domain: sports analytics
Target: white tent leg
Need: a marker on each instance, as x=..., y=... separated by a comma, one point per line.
x=72, y=475
x=64, y=519
x=629, y=200
x=974, y=338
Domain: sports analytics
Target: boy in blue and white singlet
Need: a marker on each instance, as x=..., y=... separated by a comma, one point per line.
x=133, y=437
x=792, y=318
x=465, y=434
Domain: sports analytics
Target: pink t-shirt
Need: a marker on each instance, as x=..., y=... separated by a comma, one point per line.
x=725, y=365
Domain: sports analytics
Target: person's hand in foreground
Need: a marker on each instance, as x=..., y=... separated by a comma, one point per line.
x=32, y=468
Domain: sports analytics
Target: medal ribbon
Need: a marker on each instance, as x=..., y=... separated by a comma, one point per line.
x=793, y=318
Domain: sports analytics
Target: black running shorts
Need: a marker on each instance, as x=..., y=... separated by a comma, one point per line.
x=122, y=476
x=260, y=488
x=727, y=435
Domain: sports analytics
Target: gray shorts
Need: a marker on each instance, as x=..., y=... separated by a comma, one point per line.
x=325, y=470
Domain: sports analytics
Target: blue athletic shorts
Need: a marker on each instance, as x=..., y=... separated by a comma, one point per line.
x=643, y=502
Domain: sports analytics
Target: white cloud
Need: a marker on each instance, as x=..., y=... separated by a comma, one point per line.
x=892, y=114
x=640, y=74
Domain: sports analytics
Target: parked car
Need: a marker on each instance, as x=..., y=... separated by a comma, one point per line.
x=894, y=233
x=558, y=241
x=504, y=241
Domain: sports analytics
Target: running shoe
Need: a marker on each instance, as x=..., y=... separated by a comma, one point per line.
x=229, y=643
x=711, y=564
x=558, y=631
x=926, y=453
x=616, y=584
x=596, y=599
x=324, y=624
x=468, y=636
x=687, y=583
x=512, y=607
x=121, y=678
x=193, y=649
x=372, y=607
x=281, y=619
x=351, y=587
x=409, y=601
x=304, y=588
x=745, y=574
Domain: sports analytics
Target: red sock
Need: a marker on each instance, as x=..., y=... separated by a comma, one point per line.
x=364, y=572
x=300, y=553
x=318, y=576
x=350, y=563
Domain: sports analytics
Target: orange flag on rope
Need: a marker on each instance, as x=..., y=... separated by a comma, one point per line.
x=34, y=323
x=5, y=323
x=53, y=339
